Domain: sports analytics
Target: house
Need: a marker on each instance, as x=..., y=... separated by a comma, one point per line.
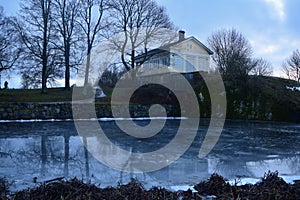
x=185, y=56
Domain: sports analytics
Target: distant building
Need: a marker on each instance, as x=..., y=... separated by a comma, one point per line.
x=186, y=55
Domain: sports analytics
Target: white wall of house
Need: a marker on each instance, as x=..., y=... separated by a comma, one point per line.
x=187, y=56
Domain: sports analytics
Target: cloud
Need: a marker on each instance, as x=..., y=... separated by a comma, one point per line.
x=278, y=6
x=264, y=49
x=275, y=49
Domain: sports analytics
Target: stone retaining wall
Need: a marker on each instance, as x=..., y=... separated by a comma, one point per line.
x=19, y=111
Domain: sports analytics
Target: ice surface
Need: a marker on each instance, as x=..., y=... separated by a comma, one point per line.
x=51, y=149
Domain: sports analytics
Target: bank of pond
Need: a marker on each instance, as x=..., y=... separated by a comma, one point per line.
x=271, y=186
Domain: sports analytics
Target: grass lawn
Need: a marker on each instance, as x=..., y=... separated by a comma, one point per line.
x=35, y=95
x=52, y=95
x=145, y=96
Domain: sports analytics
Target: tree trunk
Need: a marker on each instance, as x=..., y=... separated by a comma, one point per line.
x=67, y=72
x=132, y=59
x=87, y=68
x=44, y=67
x=133, y=70
x=45, y=45
x=67, y=77
x=44, y=79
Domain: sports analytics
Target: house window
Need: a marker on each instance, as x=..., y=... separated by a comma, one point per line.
x=156, y=63
x=165, y=61
x=203, y=63
x=178, y=63
x=172, y=60
x=145, y=66
x=190, y=64
x=153, y=63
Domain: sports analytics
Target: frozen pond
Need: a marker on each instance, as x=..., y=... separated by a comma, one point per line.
x=245, y=151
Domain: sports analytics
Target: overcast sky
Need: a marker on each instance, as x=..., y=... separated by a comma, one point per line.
x=271, y=26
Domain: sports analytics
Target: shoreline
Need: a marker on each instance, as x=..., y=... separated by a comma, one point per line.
x=103, y=119
x=64, y=110
x=271, y=186
x=55, y=111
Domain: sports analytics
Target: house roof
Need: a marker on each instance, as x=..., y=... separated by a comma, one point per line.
x=166, y=48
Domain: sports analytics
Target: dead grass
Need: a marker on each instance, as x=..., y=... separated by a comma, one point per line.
x=270, y=187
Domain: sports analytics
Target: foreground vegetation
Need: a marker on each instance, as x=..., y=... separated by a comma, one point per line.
x=216, y=187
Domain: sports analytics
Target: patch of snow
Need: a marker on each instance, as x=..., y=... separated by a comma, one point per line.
x=272, y=156
x=243, y=181
x=201, y=97
x=132, y=119
x=293, y=88
x=290, y=178
x=99, y=92
x=182, y=188
x=35, y=120
x=94, y=119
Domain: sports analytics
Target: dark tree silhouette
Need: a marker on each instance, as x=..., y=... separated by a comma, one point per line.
x=291, y=66
x=66, y=16
x=232, y=53
x=36, y=30
x=262, y=68
x=10, y=47
x=91, y=21
x=138, y=23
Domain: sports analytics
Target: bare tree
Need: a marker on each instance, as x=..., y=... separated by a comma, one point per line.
x=10, y=47
x=291, y=66
x=262, y=68
x=66, y=15
x=36, y=30
x=91, y=21
x=139, y=22
x=232, y=53
x=31, y=79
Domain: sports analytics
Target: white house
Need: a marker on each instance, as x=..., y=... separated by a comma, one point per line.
x=183, y=56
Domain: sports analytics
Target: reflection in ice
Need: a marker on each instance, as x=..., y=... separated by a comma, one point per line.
x=245, y=151
x=286, y=166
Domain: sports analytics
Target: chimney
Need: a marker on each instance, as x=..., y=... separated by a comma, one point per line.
x=181, y=35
